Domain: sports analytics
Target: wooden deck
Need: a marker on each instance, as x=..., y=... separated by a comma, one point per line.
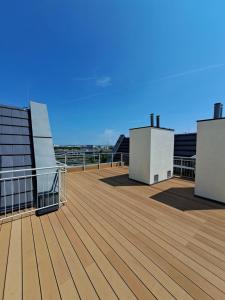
x=117, y=239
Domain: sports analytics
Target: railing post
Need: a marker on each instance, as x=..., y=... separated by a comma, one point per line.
x=65, y=160
x=60, y=184
x=121, y=159
x=181, y=167
x=99, y=160
x=112, y=161
x=84, y=161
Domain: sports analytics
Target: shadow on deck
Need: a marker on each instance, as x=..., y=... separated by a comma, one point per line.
x=181, y=198
x=121, y=180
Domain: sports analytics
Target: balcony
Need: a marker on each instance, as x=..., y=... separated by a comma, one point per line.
x=116, y=238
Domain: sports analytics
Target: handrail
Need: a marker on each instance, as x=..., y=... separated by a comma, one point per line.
x=88, y=153
x=183, y=166
x=33, y=192
x=96, y=158
x=31, y=169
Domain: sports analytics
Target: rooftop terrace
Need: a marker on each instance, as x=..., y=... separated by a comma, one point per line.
x=116, y=238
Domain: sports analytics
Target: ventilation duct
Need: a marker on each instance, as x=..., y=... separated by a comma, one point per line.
x=218, y=110
x=158, y=121
x=152, y=120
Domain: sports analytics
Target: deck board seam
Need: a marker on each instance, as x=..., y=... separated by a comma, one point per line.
x=140, y=262
x=35, y=251
x=7, y=261
x=119, y=257
x=214, y=285
x=64, y=258
x=131, y=205
x=159, y=266
x=22, y=283
x=50, y=259
x=122, y=258
x=92, y=257
x=77, y=255
x=113, y=266
x=176, y=241
x=208, y=281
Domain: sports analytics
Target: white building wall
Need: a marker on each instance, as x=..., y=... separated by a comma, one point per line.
x=151, y=153
x=210, y=160
x=139, y=160
x=161, y=154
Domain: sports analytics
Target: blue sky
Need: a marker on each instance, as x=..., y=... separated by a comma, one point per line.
x=103, y=66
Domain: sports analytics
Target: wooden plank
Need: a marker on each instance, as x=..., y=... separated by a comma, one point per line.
x=159, y=279
x=97, y=278
x=112, y=201
x=171, y=271
x=48, y=282
x=13, y=283
x=31, y=285
x=80, y=277
x=4, y=250
x=175, y=238
x=178, y=226
x=125, y=272
x=63, y=276
x=118, y=285
x=117, y=239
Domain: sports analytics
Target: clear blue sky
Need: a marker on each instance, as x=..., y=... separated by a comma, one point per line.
x=103, y=66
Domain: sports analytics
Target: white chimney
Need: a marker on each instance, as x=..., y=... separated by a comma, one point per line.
x=151, y=154
x=210, y=158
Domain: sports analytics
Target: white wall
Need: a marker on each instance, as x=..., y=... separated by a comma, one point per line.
x=140, y=155
x=162, y=151
x=151, y=153
x=210, y=160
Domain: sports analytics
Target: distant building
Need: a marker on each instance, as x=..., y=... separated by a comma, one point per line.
x=184, y=144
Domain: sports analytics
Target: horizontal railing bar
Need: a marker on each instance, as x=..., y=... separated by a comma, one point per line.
x=183, y=167
x=31, y=169
x=94, y=164
x=26, y=176
x=94, y=153
x=184, y=157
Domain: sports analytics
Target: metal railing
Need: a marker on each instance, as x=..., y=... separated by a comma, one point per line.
x=29, y=190
x=183, y=166
x=87, y=159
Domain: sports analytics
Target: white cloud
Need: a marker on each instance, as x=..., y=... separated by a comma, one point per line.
x=108, y=137
x=192, y=71
x=104, y=81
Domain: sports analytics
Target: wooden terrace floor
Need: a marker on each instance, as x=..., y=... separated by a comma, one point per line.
x=117, y=239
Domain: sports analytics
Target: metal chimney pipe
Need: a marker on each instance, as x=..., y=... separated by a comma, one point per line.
x=218, y=110
x=158, y=121
x=152, y=120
